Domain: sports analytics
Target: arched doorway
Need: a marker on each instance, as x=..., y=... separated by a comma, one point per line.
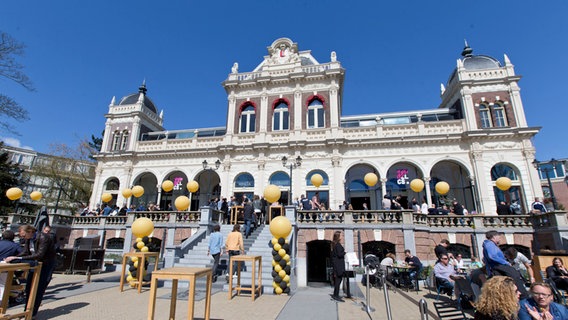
x=514, y=196
x=112, y=186
x=319, y=260
x=149, y=182
x=457, y=177
x=282, y=180
x=357, y=192
x=378, y=248
x=398, y=183
x=209, y=188
x=168, y=199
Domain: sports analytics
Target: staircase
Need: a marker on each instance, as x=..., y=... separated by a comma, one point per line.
x=256, y=244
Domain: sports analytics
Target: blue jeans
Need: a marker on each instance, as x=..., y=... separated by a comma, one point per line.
x=247, y=227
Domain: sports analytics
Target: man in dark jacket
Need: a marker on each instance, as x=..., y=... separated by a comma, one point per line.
x=44, y=252
x=248, y=211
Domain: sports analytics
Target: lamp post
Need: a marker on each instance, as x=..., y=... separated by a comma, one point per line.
x=66, y=180
x=207, y=168
x=291, y=166
x=546, y=171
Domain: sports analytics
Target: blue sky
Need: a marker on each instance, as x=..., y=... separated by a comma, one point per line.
x=80, y=54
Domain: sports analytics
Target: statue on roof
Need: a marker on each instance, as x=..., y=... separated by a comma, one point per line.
x=283, y=52
x=235, y=68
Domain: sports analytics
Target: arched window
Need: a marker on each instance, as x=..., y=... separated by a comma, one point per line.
x=244, y=180
x=281, y=120
x=115, y=140
x=248, y=119
x=316, y=118
x=124, y=141
x=485, y=116
x=500, y=116
x=113, y=184
x=323, y=174
x=280, y=178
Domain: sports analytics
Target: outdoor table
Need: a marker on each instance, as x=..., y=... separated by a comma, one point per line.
x=184, y=274
x=403, y=273
x=10, y=268
x=238, y=288
x=142, y=256
x=234, y=219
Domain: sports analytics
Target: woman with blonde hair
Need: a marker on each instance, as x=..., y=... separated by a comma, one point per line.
x=499, y=300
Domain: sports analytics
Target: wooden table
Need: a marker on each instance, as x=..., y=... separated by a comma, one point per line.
x=234, y=218
x=10, y=268
x=184, y=274
x=238, y=288
x=142, y=256
x=275, y=211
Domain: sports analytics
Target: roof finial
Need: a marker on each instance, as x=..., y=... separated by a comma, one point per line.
x=142, y=88
x=467, y=51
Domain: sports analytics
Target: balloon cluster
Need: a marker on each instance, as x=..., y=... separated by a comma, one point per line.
x=280, y=265
x=142, y=228
x=280, y=228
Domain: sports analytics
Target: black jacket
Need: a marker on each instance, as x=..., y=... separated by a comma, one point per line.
x=554, y=273
x=44, y=249
x=338, y=259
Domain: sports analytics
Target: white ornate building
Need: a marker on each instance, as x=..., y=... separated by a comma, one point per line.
x=291, y=106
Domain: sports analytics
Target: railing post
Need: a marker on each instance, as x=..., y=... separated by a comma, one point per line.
x=386, y=293
x=423, y=306
x=205, y=219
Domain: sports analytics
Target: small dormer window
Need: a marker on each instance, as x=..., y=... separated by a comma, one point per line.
x=247, y=119
x=485, y=116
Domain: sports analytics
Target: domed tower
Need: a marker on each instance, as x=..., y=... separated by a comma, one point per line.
x=133, y=116
x=484, y=92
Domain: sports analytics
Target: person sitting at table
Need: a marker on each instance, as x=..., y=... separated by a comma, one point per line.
x=458, y=262
x=414, y=263
x=386, y=265
x=445, y=275
x=558, y=273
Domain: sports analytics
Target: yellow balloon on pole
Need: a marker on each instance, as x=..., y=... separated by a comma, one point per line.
x=137, y=191
x=280, y=227
x=503, y=183
x=182, y=203
x=167, y=185
x=192, y=186
x=272, y=193
x=442, y=187
x=417, y=185
x=142, y=227
x=14, y=193
x=371, y=179
x=127, y=193
x=317, y=180
x=36, y=196
x=106, y=197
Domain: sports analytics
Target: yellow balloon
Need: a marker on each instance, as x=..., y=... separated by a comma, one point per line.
x=503, y=183
x=140, y=244
x=371, y=179
x=317, y=180
x=14, y=193
x=134, y=259
x=127, y=193
x=137, y=240
x=286, y=257
x=442, y=187
x=417, y=185
x=167, y=185
x=144, y=249
x=282, y=252
x=142, y=227
x=280, y=227
x=182, y=203
x=272, y=193
x=274, y=241
x=286, y=278
x=137, y=191
x=192, y=186
x=36, y=196
x=277, y=247
x=129, y=279
x=106, y=197
x=274, y=263
x=278, y=290
x=282, y=273
x=136, y=264
x=277, y=268
x=275, y=284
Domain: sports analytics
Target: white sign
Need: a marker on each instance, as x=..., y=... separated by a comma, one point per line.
x=352, y=259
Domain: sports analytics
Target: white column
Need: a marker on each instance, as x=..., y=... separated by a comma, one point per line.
x=231, y=113
x=263, y=111
x=298, y=115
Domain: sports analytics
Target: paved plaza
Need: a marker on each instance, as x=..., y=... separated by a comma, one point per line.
x=70, y=297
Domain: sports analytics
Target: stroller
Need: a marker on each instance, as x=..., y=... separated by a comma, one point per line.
x=375, y=273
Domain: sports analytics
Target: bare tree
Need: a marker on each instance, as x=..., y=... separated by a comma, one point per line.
x=10, y=69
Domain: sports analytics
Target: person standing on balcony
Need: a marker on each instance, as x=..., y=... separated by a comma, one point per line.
x=503, y=209
x=215, y=248
x=386, y=203
x=537, y=206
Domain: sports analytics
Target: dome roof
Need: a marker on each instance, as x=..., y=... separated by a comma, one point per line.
x=480, y=62
x=133, y=98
